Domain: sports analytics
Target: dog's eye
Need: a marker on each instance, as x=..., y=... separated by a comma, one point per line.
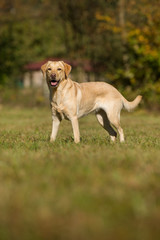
x=59, y=69
x=49, y=69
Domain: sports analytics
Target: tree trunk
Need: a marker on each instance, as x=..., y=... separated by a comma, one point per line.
x=122, y=24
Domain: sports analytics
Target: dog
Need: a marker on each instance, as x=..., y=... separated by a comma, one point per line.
x=71, y=100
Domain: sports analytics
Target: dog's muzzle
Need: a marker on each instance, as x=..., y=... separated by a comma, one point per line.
x=54, y=83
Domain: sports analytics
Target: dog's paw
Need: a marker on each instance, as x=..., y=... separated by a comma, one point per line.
x=51, y=140
x=113, y=139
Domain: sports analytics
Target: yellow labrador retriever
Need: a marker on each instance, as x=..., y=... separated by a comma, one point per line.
x=71, y=100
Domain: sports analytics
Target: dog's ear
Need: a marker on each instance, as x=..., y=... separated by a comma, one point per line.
x=67, y=68
x=44, y=67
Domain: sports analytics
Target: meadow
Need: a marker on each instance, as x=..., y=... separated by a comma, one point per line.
x=92, y=190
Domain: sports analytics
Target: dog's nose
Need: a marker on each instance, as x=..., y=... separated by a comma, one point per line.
x=53, y=75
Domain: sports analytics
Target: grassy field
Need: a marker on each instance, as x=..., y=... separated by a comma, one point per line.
x=93, y=190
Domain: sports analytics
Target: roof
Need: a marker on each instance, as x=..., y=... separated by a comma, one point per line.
x=85, y=64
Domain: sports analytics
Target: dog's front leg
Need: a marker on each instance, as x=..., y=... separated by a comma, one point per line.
x=55, y=125
x=75, y=127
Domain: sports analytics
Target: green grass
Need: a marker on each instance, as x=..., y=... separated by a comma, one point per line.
x=92, y=190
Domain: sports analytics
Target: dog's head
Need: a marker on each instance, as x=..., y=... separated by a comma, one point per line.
x=55, y=72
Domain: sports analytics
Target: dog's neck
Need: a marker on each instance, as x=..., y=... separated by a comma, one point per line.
x=55, y=93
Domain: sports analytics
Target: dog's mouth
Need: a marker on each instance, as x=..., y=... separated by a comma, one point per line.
x=54, y=83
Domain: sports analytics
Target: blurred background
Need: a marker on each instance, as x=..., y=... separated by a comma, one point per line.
x=117, y=41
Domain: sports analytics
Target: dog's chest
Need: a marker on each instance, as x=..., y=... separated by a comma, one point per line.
x=57, y=98
x=58, y=105
x=60, y=109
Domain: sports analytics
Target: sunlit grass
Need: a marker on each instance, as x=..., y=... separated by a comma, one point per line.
x=92, y=190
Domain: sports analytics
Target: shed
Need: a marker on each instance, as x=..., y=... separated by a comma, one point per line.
x=82, y=71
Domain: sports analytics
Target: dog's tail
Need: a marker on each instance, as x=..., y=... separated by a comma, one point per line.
x=129, y=106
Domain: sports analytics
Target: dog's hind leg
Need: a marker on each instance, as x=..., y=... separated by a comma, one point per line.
x=104, y=122
x=114, y=119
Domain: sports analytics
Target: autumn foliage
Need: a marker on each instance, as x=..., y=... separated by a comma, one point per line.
x=120, y=38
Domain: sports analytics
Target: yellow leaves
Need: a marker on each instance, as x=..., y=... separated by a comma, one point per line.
x=142, y=39
x=116, y=29
x=152, y=53
x=103, y=18
x=142, y=43
x=133, y=81
x=149, y=51
x=146, y=30
x=134, y=32
x=107, y=23
x=138, y=33
x=146, y=50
